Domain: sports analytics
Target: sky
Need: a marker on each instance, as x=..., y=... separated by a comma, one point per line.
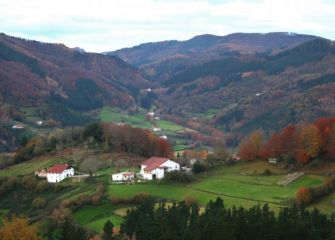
x=106, y=25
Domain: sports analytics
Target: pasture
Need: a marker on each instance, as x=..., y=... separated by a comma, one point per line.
x=94, y=217
x=238, y=184
x=29, y=167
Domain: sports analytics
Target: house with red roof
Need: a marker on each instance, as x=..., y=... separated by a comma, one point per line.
x=59, y=172
x=155, y=167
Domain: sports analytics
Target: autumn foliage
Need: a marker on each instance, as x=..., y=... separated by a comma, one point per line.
x=18, y=228
x=293, y=144
x=252, y=147
x=303, y=196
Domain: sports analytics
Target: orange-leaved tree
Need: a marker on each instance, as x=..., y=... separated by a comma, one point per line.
x=303, y=196
x=18, y=228
x=252, y=147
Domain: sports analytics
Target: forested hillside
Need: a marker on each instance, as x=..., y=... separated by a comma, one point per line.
x=250, y=92
x=56, y=85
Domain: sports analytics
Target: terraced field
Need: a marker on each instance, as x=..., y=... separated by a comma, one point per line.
x=94, y=217
x=240, y=184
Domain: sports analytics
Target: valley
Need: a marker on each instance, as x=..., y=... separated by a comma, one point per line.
x=238, y=113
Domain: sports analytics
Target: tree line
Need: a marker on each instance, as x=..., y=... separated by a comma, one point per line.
x=181, y=221
x=108, y=136
x=295, y=144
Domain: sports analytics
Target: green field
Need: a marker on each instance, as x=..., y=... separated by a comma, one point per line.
x=94, y=217
x=326, y=204
x=239, y=184
x=108, y=114
x=3, y=212
x=29, y=167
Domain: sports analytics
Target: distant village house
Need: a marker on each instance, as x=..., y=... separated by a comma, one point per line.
x=19, y=126
x=155, y=168
x=59, y=172
x=123, y=176
x=41, y=174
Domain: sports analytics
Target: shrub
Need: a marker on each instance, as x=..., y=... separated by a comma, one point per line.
x=178, y=177
x=29, y=182
x=42, y=186
x=140, y=198
x=189, y=200
x=267, y=172
x=39, y=202
x=303, y=196
x=198, y=168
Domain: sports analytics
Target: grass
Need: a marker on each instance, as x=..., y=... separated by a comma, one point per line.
x=94, y=217
x=326, y=204
x=239, y=184
x=3, y=213
x=169, y=126
x=108, y=114
x=179, y=147
x=29, y=167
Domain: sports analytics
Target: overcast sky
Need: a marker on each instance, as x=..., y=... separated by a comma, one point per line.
x=104, y=25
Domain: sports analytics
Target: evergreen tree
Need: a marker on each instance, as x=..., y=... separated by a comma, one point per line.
x=108, y=231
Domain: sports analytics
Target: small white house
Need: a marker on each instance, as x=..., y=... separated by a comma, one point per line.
x=155, y=167
x=163, y=137
x=19, y=126
x=273, y=161
x=59, y=172
x=156, y=129
x=123, y=176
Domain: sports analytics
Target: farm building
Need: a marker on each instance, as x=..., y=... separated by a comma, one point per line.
x=273, y=161
x=59, y=172
x=123, y=176
x=155, y=167
x=156, y=129
x=19, y=126
x=41, y=174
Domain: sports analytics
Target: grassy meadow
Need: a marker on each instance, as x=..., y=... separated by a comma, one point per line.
x=94, y=217
x=240, y=184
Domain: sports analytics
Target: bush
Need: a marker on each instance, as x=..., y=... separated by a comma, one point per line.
x=189, y=200
x=140, y=198
x=39, y=202
x=42, y=186
x=303, y=196
x=267, y=172
x=198, y=168
x=178, y=177
x=29, y=182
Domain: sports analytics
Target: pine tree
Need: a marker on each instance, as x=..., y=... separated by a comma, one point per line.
x=108, y=230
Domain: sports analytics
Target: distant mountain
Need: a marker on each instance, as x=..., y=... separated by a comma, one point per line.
x=160, y=60
x=63, y=82
x=255, y=91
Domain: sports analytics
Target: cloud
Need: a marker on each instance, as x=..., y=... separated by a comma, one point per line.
x=103, y=25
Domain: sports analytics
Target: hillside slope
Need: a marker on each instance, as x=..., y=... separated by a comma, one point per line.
x=56, y=84
x=250, y=92
x=35, y=74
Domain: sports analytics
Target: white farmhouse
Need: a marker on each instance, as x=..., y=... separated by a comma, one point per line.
x=59, y=172
x=123, y=176
x=155, y=167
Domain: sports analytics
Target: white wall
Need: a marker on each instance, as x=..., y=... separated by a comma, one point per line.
x=159, y=172
x=57, y=177
x=171, y=166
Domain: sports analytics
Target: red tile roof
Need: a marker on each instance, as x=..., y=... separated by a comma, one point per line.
x=127, y=174
x=154, y=162
x=58, y=168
